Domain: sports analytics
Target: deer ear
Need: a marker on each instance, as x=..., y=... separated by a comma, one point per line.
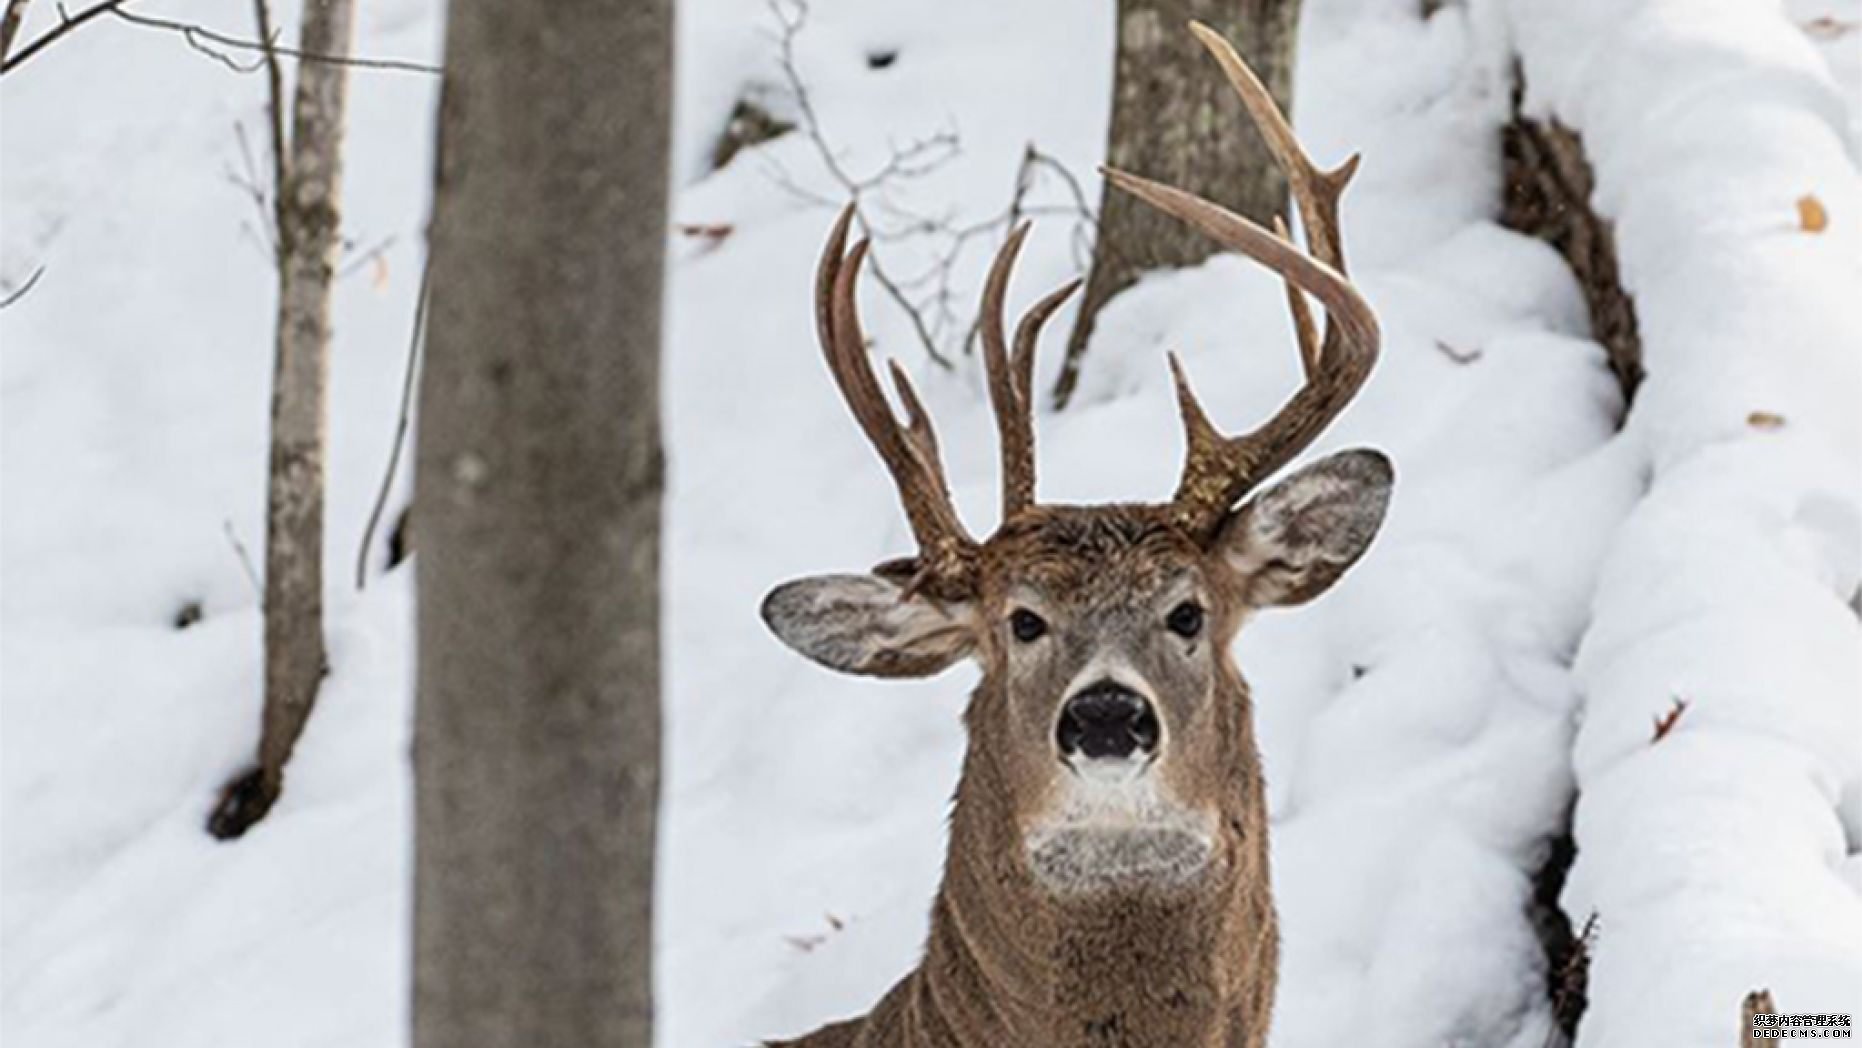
x=1291, y=542
x=867, y=624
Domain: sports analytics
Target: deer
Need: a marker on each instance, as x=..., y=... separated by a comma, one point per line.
x=1106, y=878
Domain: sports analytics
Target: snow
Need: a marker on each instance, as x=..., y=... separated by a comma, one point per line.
x=1544, y=588
x=1725, y=857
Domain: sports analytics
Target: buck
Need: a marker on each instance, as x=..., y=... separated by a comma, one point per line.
x=1106, y=881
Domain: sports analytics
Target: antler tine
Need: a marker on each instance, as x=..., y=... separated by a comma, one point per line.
x=946, y=550
x=918, y=423
x=1219, y=470
x=1303, y=327
x=1028, y=332
x=1315, y=191
x=1011, y=376
x=1007, y=397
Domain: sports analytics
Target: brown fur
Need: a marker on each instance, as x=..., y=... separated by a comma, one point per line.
x=1113, y=895
x=1009, y=963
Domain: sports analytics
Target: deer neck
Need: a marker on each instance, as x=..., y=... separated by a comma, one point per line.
x=1007, y=962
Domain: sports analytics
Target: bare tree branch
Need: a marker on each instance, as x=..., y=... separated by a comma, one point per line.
x=927, y=297
x=245, y=560
x=274, y=94
x=254, y=186
x=400, y=427
x=270, y=46
x=20, y=292
x=199, y=38
x=66, y=23
x=355, y=256
x=790, y=16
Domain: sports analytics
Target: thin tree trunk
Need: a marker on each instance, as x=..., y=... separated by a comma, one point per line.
x=309, y=192
x=538, y=483
x=1175, y=119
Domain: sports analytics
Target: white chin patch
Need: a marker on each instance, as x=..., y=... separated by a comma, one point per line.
x=1111, y=829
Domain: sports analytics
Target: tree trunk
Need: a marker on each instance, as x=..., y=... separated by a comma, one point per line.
x=537, y=518
x=309, y=193
x=1175, y=119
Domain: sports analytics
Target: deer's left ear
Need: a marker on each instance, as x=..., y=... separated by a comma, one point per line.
x=1291, y=542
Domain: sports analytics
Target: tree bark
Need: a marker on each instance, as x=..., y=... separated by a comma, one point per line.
x=537, y=518
x=1175, y=119
x=1547, y=195
x=309, y=192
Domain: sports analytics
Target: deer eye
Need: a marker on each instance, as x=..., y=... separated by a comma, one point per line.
x=1027, y=626
x=1186, y=619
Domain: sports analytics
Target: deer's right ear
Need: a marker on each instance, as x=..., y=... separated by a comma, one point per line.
x=866, y=624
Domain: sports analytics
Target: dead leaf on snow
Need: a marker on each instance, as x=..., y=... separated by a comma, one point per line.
x=1811, y=217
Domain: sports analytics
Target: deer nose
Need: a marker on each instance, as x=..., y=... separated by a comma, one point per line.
x=1107, y=720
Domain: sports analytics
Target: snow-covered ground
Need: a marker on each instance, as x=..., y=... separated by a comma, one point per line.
x=1544, y=588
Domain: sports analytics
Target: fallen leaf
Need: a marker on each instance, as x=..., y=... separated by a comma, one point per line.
x=1828, y=27
x=1765, y=420
x=1666, y=722
x=1811, y=217
x=714, y=231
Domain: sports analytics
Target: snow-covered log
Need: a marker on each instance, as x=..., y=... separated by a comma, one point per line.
x=1722, y=855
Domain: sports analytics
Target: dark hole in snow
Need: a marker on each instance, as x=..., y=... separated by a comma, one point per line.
x=750, y=124
x=400, y=543
x=243, y=801
x=1567, y=949
x=882, y=59
x=188, y=614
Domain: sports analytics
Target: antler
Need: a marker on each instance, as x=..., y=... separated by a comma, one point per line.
x=1218, y=470
x=1011, y=379
x=946, y=562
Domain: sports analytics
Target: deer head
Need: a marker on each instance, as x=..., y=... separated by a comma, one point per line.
x=1114, y=722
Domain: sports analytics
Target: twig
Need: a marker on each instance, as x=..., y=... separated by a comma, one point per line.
x=66, y=24
x=1086, y=230
x=245, y=560
x=274, y=107
x=270, y=46
x=927, y=297
x=197, y=41
x=1573, y=978
x=197, y=37
x=1463, y=357
x=355, y=256
x=901, y=161
x=20, y=292
x=1666, y=722
x=400, y=427
x=249, y=182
